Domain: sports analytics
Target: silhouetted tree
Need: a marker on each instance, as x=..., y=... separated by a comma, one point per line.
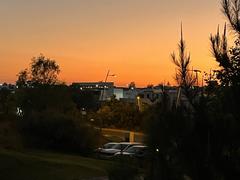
x=50, y=118
x=132, y=85
x=184, y=76
x=228, y=59
x=228, y=73
x=231, y=9
x=7, y=101
x=204, y=143
x=224, y=113
x=22, y=78
x=43, y=71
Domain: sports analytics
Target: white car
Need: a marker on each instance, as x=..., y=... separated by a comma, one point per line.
x=138, y=151
x=120, y=147
x=106, y=146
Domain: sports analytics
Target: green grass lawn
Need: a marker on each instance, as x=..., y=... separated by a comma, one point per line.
x=36, y=165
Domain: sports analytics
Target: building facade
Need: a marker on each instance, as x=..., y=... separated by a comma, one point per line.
x=106, y=89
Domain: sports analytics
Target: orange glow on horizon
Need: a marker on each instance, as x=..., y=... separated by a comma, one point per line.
x=88, y=38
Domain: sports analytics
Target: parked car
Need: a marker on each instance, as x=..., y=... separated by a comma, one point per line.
x=137, y=151
x=120, y=147
x=106, y=146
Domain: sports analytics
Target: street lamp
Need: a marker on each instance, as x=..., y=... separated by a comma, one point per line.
x=139, y=103
x=197, y=71
x=84, y=113
x=108, y=74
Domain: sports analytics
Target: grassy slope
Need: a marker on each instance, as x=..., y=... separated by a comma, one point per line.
x=9, y=136
x=48, y=166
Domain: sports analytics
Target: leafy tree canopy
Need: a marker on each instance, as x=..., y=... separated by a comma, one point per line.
x=42, y=71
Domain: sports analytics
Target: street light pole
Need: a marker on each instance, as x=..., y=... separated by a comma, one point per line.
x=108, y=74
x=139, y=103
x=197, y=71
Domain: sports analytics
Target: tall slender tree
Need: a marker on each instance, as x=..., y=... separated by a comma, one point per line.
x=231, y=9
x=228, y=58
x=225, y=119
x=184, y=77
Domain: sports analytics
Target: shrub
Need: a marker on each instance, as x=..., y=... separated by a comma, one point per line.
x=51, y=130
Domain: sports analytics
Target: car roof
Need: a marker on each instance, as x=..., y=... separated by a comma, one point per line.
x=112, y=143
x=139, y=146
x=130, y=143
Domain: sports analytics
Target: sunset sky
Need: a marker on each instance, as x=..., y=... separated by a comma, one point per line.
x=132, y=38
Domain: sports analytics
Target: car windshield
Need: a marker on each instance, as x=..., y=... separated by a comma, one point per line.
x=120, y=146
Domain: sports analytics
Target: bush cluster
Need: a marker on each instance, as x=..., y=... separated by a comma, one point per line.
x=51, y=130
